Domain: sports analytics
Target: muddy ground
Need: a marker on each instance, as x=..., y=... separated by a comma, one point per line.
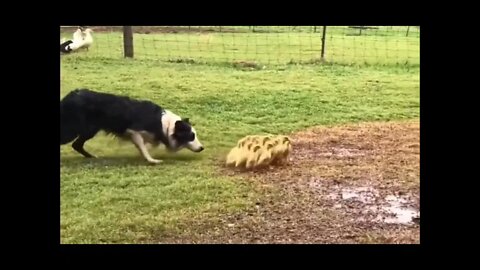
x=350, y=184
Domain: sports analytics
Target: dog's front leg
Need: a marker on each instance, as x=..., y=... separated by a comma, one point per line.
x=137, y=139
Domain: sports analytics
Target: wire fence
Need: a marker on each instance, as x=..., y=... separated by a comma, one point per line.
x=271, y=45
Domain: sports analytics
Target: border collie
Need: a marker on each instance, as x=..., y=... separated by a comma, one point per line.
x=83, y=113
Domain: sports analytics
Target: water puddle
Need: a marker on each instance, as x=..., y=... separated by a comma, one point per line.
x=398, y=211
x=367, y=202
x=363, y=194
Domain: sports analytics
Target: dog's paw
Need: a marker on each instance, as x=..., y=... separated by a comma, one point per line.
x=155, y=161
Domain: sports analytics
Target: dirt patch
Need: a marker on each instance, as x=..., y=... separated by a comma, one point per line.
x=348, y=184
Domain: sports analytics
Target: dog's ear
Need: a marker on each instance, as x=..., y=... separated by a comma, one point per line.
x=181, y=126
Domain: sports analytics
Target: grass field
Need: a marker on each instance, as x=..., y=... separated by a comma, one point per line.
x=118, y=198
x=379, y=47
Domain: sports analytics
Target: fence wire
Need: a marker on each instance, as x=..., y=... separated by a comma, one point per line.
x=269, y=45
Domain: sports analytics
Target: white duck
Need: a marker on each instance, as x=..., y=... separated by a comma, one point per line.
x=81, y=39
x=78, y=35
x=87, y=38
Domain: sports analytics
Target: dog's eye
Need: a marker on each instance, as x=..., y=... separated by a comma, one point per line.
x=192, y=136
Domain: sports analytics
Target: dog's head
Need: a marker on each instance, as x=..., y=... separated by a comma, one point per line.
x=184, y=135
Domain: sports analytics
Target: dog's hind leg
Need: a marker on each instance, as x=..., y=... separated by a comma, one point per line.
x=68, y=129
x=137, y=139
x=80, y=141
x=67, y=136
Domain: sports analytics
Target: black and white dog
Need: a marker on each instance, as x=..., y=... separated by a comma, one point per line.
x=83, y=113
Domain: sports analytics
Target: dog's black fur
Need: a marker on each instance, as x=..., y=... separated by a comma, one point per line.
x=83, y=113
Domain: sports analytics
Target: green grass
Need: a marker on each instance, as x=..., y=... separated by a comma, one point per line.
x=383, y=46
x=117, y=198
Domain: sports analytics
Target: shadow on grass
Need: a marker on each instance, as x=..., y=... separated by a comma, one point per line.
x=127, y=161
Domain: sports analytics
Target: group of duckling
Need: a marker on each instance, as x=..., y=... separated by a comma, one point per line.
x=260, y=151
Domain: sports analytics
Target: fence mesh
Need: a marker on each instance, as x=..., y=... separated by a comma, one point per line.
x=260, y=44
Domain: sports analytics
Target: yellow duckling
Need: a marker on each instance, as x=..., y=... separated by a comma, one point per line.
x=252, y=157
x=286, y=149
x=233, y=156
x=254, y=151
x=244, y=154
x=264, y=156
